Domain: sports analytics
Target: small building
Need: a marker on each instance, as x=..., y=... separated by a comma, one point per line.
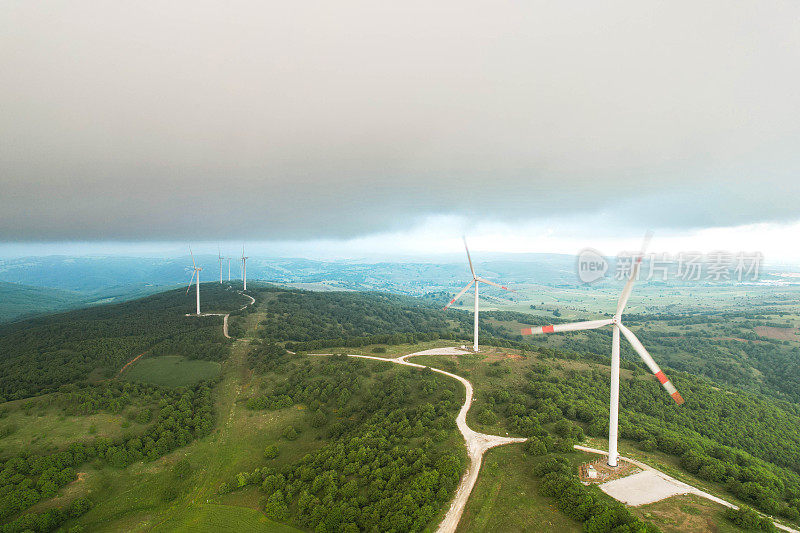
x=591, y=472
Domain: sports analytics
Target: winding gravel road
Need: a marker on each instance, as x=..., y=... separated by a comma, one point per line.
x=477, y=443
x=225, y=316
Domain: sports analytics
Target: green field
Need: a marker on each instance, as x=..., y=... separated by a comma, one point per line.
x=41, y=430
x=505, y=497
x=683, y=513
x=171, y=371
x=211, y=518
x=148, y=496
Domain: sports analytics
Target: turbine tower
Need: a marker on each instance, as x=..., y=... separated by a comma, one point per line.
x=244, y=269
x=219, y=254
x=195, y=273
x=618, y=326
x=229, y=269
x=476, y=280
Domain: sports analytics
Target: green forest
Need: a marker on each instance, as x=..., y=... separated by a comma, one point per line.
x=41, y=354
x=173, y=418
x=393, y=458
x=332, y=443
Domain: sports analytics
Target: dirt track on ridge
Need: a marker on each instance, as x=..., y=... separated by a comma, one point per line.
x=224, y=329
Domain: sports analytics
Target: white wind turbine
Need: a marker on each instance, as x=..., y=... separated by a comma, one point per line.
x=229, y=268
x=244, y=269
x=475, y=280
x=195, y=273
x=219, y=254
x=617, y=325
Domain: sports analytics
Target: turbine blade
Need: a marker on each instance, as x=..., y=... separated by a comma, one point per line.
x=190, y=253
x=460, y=294
x=469, y=258
x=573, y=326
x=626, y=292
x=190, y=281
x=495, y=284
x=648, y=360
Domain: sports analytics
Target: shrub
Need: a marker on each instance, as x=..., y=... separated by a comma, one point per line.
x=169, y=493
x=648, y=445
x=487, y=417
x=182, y=469
x=535, y=447
x=271, y=452
x=747, y=518
x=319, y=419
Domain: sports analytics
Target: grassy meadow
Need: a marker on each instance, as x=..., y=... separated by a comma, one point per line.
x=171, y=371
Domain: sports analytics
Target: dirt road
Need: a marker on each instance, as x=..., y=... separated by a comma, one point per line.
x=224, y=328
x=129, y=363
x=225, y=316
x=477, y=443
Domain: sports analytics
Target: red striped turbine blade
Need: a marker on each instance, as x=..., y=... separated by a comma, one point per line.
x=495, y=284
x=651, y=364
x=460, y=294
x=574, y=326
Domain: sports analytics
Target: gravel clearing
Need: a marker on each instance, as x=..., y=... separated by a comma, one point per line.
x=643, y=488
x=652, y=485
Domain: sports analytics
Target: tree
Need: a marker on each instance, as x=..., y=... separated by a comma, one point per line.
x=319, y=419
x=276, y=507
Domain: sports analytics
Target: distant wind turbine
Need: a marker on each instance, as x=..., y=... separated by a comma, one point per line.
x=195, y=273
x=219, y=253
x=617, y=326
x=244, y=269
x=229, y=269
x=476, y=280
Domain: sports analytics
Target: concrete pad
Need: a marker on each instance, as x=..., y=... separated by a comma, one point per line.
x=643, y=488
x=440, y=351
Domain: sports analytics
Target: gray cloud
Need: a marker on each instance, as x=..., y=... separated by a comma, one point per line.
x=279, y=120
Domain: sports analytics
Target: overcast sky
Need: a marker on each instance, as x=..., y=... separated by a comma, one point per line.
x=350, y=122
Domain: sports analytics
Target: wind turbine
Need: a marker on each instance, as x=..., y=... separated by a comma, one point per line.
x=195, y=273
x=617, y=325
x=219, y=254
x=229, y=268
x=244, y=269
x=476, y=280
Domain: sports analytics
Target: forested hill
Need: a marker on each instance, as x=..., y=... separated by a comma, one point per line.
x=41, y=354
x=310, y=320
x=19, y=301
